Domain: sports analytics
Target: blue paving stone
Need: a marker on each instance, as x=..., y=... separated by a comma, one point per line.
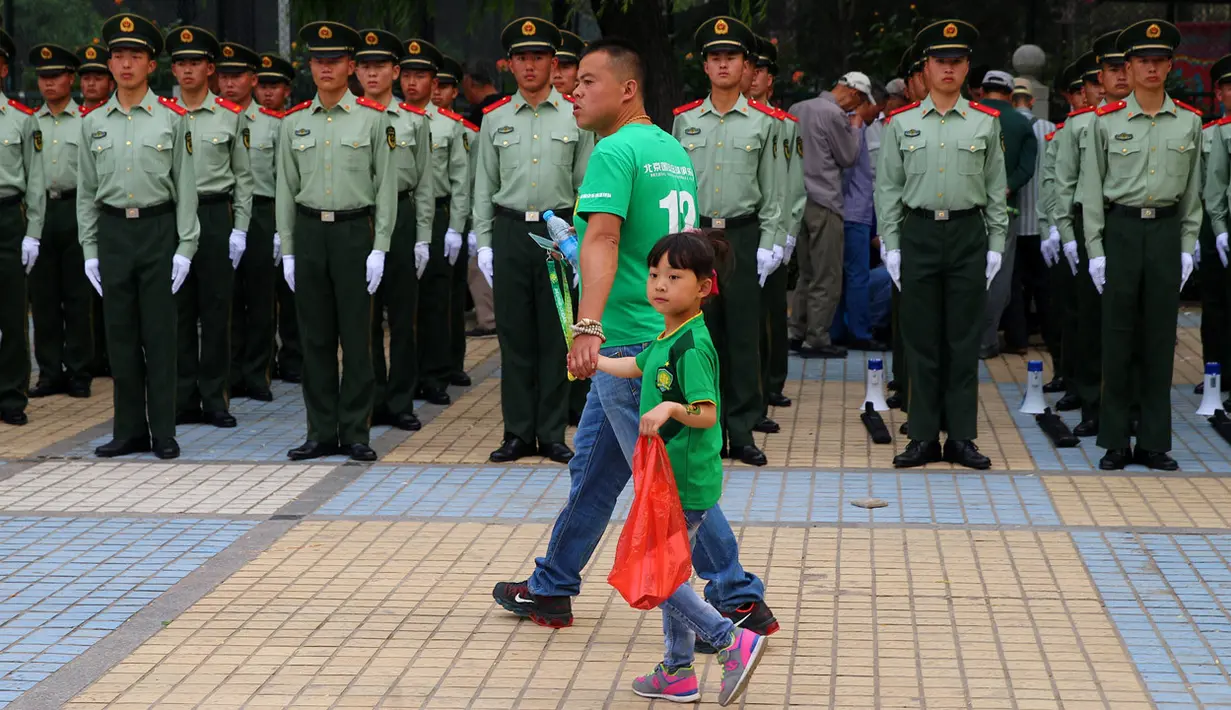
x=56, y=579
x=852, y=368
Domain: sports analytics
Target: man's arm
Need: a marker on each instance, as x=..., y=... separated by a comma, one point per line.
x=1045, y=206
x=1190, y=200
x=87, y=189
x=459, y=179
x=385, y=179
x=843, y=138
x=486, y=181
x=770, y=209
x=36, y=180
x=245, y=183
x=1217, y=171
x=1093, y=168
x=287, y=171
x=600, y=257
x=996, y=213
x=1067, y=172
x=425, y=190
x=890, y=185
x=1027, y=153
x=184, y=175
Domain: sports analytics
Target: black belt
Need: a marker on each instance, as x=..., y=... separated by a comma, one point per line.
x=332, y=215
x=138, y=212
x=69, y=194
x=943, y=215
x=444, y=200
x=12, y=200
x=404, y=194
x=564, y=213
x=212, y=197
x=728, y=222
x=1143, y=212
x=261, y=200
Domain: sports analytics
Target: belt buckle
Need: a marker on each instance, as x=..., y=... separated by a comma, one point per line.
x=532, y=216
x=132, y=212
x=1148, y=213
x=718, y=223
x=940, y=215
x=327, y=216
x=53, y=194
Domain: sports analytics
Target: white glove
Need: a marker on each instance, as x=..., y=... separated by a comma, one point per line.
x=453, y=245
x=180, y=266
x=288, y=271
x=376, y=268
x=993, y=266
x=1186, y=268
x=789, y=249
x=1221, y=242
x=1098, y=272
x=238, y=242
x=472, y=241
x=1070, y=253
x=421, y=257
x=485, y=263
x=1196, y=255
x=94, y=275
x=779, y=257
x=893, y=264
x=881, y=243
x=29, y=252
x=277, y=249
x=765, y=264
x=1050, y=247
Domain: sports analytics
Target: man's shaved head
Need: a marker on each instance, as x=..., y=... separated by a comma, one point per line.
x=609, y=91
x=625, y=60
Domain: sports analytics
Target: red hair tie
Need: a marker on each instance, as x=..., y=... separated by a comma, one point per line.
x=714, y=277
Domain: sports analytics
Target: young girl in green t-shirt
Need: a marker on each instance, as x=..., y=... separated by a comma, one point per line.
x=679, y=401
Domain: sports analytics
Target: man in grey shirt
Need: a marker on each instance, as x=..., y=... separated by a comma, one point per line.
x=830, y=142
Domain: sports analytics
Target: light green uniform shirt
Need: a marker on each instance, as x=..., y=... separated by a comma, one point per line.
x=263, y=128
x=61, y=134
x=221, y=155
x=1045, y=207
x=21, y=168
x=941, y=161
x=451, y=163
x=413, y=156
x=796, y=197
x=1143, y=161
x=531, y=159
x=1217, y=173
x=141, y=157
x=337, y=159
x=1071, y=145
x=733, y=156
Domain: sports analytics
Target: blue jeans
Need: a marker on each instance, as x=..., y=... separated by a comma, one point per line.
x=598, y=473
x=852, y=316
x=685, y=616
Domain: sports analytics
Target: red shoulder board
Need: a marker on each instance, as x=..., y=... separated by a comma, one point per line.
x=295, y=108
x=228, y=105
x=449, y=114
x=407, y=107
x=1110, y=108
x=21, y=107
x=763, y=108
x=1080, y=111
x=497, y=105
x=369, y=103
x=900, y=109
x=1226, y=121
x=788, y=114
x=275, y=114
x=85, y=110
x=1049, y=136
x=470, y=125
x=1183, y=105
x=1210, y=124
x=170, y=103
x=688, y=107
x=569, y=98
x=1058, y=127
x=984, y=109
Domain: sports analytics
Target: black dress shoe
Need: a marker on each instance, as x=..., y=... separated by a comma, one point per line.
x=870, y=345
x=359, y=452
x=894, y=401
x=166, y=448
x=795, y=345
x=767, y=426
x=777, y=399
x=918, y=453
x=311, y=450
x=460, y=379
x=827, y=351
x=238, y=391
x=189, y=416
x=222, y=420
x=963, y=452
x=1157, y=460
x=122, y=447
x=1115, y=459
x=1057, y=384
x=79, y=389
x=1068, y=403
x=293, y=378
x=511, y=450
x=750, y=455
x=435, y=396
x=480, y=332
x=261, y=395
x=1088, y=427
x=47, y=389
x=14, y=417
x=407, y=421
x=892, y=385
x=556, y=452
x=904, y=430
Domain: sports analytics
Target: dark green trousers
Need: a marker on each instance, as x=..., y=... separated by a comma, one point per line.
x=1140, y=300
x=204, y=307
x=252, y=308
x=733, y=317
x=290, y=351
x=1215, y=313
x=901, y=373
x=332, y=301
x=459, y=289
x=396, y=300
x=534, y=377
x=134, y=256
x=60, y=300
x=1058, y=334
x=101, y=362
x=774, y=350
x=943, y=293
x=435, y=293
x=15, y=344
x=1088, y=334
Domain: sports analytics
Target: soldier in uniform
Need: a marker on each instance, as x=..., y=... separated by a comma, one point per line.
x=224, y=198
x=1215, y=313
x=252, y=306
x=941, y=206
x=335, y=233
x=23, y=197
x=568, y=55
x=733, y=143
x=60, y=295
x=1143, y=159
x=96, y=87
x=378, y=66
x=531, y=158
x=137, y=222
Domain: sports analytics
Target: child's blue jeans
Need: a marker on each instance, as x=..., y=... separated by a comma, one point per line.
x=686, y=615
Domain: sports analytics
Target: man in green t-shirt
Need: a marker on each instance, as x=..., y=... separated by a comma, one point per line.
x=639, y=187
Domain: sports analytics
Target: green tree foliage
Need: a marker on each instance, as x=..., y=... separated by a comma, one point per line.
x=69, y=23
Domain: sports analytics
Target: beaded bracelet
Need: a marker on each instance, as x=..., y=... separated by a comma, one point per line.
x=589, y=326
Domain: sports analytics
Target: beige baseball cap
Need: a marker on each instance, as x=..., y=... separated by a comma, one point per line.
x=859, y=82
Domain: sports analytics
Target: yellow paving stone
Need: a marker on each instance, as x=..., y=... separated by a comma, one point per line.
x=55, y=419
x=1141, y=501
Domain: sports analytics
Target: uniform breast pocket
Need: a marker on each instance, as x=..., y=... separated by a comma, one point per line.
x=261, y=154
x=304, y=149
x=216, y=148
x=68, y=156
x=1179, y=156
x=914, y=157
x=10, y=145
x=745, y=154
x=355, y=153
x=563, y=144
x=971, y=156
x=104, y=156
x=440, y=145
x=156, y=153
x=508, y=152
x=695, y=145
x=1125, y=160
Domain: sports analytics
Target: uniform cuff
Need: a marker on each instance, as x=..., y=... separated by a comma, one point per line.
x=187, y=250
x=1189, y=244
x=996, y=244
x=90, y=252
x=1094, y=247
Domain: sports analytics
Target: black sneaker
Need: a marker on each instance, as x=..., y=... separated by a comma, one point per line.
x=552, y=612
x=756, y=617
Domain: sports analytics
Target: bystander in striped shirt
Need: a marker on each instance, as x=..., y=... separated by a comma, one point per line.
x=1027, y=221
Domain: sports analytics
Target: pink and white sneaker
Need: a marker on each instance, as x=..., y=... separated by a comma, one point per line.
x=679, y=686
x=738, y=661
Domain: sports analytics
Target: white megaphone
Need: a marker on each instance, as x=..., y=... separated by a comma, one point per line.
x=1033, y=402
x=876, y=386
x=1210, y=401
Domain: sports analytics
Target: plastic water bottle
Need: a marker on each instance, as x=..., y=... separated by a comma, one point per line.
x=565, y=237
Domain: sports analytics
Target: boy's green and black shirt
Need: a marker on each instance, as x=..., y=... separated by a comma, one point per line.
x=682, y=366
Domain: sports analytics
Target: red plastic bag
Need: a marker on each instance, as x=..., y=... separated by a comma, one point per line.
x=653, y=557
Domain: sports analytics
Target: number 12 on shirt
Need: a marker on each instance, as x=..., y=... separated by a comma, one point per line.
x=677, y=204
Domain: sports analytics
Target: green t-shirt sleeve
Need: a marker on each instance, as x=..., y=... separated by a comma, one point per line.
x=643, y=357
x=608, y=184
x=698, y=377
